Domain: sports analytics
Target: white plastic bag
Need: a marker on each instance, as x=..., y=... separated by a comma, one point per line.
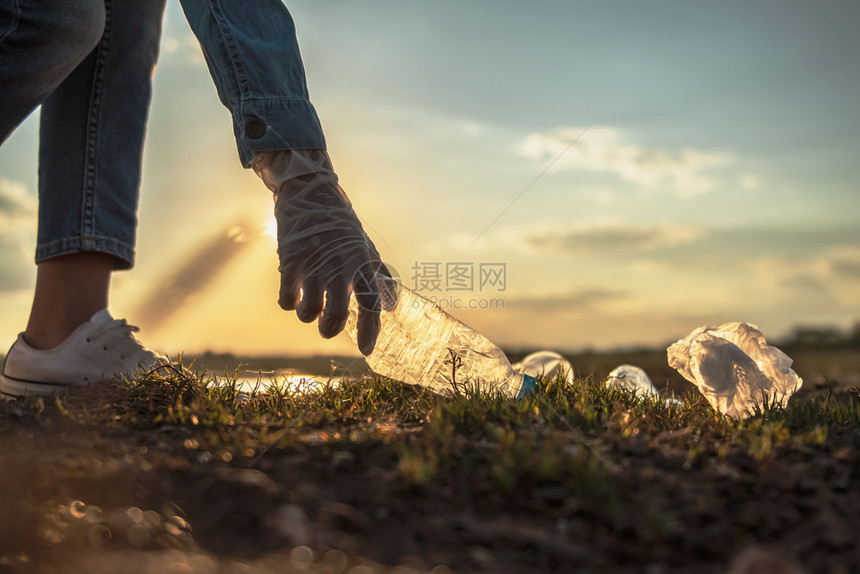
x=546, y=363
x=735, y=368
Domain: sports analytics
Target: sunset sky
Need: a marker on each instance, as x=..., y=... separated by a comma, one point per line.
x=634, y=170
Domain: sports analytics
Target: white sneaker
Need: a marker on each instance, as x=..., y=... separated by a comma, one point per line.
x=102, y=349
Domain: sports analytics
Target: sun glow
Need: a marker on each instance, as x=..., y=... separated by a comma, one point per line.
x=270, y=229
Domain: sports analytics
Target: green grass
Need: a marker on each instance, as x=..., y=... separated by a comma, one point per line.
x=582, y=412
x=629, y=472
x=562, y=434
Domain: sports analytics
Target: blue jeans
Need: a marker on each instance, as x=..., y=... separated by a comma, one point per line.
x=89, y=64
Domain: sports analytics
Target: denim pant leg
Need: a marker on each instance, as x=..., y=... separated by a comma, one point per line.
x=41, y=42
x=253, y=57
x=91, y=139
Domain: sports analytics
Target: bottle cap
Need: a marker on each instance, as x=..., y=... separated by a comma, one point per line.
x=528, y=386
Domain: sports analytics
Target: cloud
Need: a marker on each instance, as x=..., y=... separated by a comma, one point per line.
x=578, y=299
x=827, y=278
x=16, y=271
x=605, y=149
x=15, y=201
x=172, y=293
x=806, y=285
x=766, y=250
x=614, y=237
x=472, y=128
x=749, y=182
x=185, y=49
x=846, y=267
x=17, y=236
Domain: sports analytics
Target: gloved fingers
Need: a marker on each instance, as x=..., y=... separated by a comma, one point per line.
x=311, y=304
x=368, y=330
x=375, y=258
x=381, y=269
x=336, y=310
x=291, y=282
x=365, y=286
x=385, y=284
x=321, y=238
x=369, y=303
x=388, y=292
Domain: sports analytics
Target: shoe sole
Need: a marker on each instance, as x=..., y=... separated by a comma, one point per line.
x=12, y=388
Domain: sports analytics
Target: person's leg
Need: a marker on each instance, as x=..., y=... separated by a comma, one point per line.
x=92, y=129
x=69, y=290
x=91, y=141
x=41, y=42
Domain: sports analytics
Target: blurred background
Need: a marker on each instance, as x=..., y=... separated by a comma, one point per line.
x=564, y=175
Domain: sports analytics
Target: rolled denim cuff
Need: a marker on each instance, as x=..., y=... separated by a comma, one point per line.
x=276, y=124
x=123, y=252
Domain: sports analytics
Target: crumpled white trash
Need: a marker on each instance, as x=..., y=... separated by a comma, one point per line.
x=735, y=368
x=633, y=379
x=547, y=364
x=636, y=380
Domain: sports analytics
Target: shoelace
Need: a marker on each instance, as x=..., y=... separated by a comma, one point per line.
x=116, y=334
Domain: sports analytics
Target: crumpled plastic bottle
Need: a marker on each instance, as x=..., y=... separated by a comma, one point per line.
x=636, y=380
x=735, y=368
x=631, y=378
x=420, y=344
x=547, y=364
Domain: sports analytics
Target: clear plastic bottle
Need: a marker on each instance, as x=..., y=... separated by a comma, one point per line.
x=420, y=344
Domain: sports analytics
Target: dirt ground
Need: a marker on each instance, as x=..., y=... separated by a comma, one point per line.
x=87, y=487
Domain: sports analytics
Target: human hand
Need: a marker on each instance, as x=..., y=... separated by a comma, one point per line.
x=324, y=253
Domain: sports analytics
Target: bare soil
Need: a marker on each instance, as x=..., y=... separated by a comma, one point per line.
x=132, y=483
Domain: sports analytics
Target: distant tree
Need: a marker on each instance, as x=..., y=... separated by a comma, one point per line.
x=815, y=337
x=854, y=336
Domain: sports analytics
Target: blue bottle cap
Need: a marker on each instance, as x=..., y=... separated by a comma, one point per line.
x=528, y=386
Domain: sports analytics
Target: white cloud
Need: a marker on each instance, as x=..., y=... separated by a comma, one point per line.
x=169, y=45
x=472, y=128
x=15, y=201
x=749, y=182
x=611, y=237
x=832, y=274
x=606, y=149
x=556, y=302
x=193, y=50
x=17, y=235
x=614, y=236
x=184, y=48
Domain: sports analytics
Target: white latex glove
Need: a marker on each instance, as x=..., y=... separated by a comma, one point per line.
x=324, y=253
